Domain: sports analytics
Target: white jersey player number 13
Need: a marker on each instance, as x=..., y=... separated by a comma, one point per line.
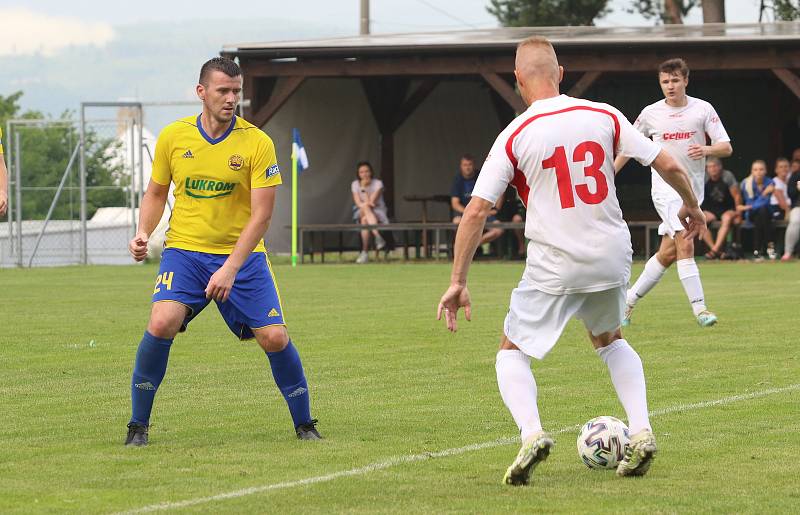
x=560, y=156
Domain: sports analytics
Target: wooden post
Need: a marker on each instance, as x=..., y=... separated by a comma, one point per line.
x=277, y=94
x=505, y=90
x=391, y=106
x=583, y=84
x=789, y=79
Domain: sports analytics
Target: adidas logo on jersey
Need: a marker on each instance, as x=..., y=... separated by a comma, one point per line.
x=188, y=154
x=273, y=313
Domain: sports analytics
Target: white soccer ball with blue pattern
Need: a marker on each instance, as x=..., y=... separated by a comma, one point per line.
x=602, y=442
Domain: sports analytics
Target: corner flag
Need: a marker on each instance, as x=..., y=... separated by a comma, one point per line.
x=299, y=151
x=299, y=163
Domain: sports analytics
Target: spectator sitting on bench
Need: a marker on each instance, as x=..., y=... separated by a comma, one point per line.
x=512, y=210
x=461, y=191
x=722, y=198
x=793, y=229
x=757, y=189
x=779, y=201
x=369, y=207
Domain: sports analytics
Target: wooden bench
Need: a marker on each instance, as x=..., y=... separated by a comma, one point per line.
x=427, y=238
x=411, y=235
x=311, y=237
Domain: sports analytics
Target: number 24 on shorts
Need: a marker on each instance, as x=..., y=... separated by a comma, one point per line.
x=559, y=161
x=163, y=279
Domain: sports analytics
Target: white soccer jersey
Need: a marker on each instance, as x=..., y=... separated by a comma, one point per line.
x=675, y=128
x=559, y=155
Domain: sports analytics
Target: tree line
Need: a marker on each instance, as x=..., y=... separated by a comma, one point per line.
x=556, y=13
x=45, y=151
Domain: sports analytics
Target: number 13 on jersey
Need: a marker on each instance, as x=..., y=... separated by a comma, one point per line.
x=589, y=152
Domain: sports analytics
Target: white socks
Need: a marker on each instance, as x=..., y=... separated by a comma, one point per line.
x=627, y=375
x=518, y=389
x=653, y=271
x=690, y=278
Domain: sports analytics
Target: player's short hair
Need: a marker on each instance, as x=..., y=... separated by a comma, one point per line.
x=220, y=64
x=759, y=162
x=713, y=159
x=781, y=160
x=676, y=65
x=368, y=165
x=540, y=41
x=468, y=157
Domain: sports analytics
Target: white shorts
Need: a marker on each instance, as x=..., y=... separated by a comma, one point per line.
x=535, y=319
x=667, y=209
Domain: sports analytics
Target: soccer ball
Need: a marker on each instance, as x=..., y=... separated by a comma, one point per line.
x=602, y=442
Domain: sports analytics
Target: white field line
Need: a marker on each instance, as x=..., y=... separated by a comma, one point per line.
x=412, y=458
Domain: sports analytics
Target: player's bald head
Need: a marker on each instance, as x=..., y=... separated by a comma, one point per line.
x=536, y=60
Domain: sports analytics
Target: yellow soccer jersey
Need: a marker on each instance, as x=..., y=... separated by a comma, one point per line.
x=213, y=179
x=1, y=141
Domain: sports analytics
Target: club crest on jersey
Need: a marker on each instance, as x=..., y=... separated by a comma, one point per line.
x=235, y=162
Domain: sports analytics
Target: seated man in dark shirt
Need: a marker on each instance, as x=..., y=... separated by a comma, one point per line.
x=461, y=191
x=722, y=198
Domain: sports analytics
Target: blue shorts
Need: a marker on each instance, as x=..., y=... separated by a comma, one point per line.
x=254, y=301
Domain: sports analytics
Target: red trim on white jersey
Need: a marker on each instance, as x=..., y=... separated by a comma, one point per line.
x=519, y=181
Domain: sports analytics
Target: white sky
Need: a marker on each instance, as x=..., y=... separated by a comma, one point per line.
x=45, y=26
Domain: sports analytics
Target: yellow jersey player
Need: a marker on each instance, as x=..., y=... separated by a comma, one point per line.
x=225, y=172
x=3, y=179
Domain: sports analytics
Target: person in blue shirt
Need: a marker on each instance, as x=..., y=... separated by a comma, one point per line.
x=757, y=190
x=461, y=191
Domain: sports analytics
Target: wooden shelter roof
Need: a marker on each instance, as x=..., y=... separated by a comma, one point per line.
x=504, y=39
x=389, y=64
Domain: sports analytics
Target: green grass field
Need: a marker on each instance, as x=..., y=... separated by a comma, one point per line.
x=388, y=382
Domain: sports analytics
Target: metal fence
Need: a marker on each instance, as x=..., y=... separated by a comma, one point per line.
x=74, y=187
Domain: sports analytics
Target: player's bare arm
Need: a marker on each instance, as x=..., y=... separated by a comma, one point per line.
x=674, y=175
x=262, y=201
x=719, y=149
x=3, y=186
x=619, y=163
x=153, y=202
x=468, y=237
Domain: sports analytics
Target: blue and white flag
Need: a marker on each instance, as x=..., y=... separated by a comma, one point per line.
x=299, y=151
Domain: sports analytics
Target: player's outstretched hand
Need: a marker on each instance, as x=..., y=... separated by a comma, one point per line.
x=3, y=202
x=220, y=285
x=454, y=298
x=138, y=246
x=693, y=220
